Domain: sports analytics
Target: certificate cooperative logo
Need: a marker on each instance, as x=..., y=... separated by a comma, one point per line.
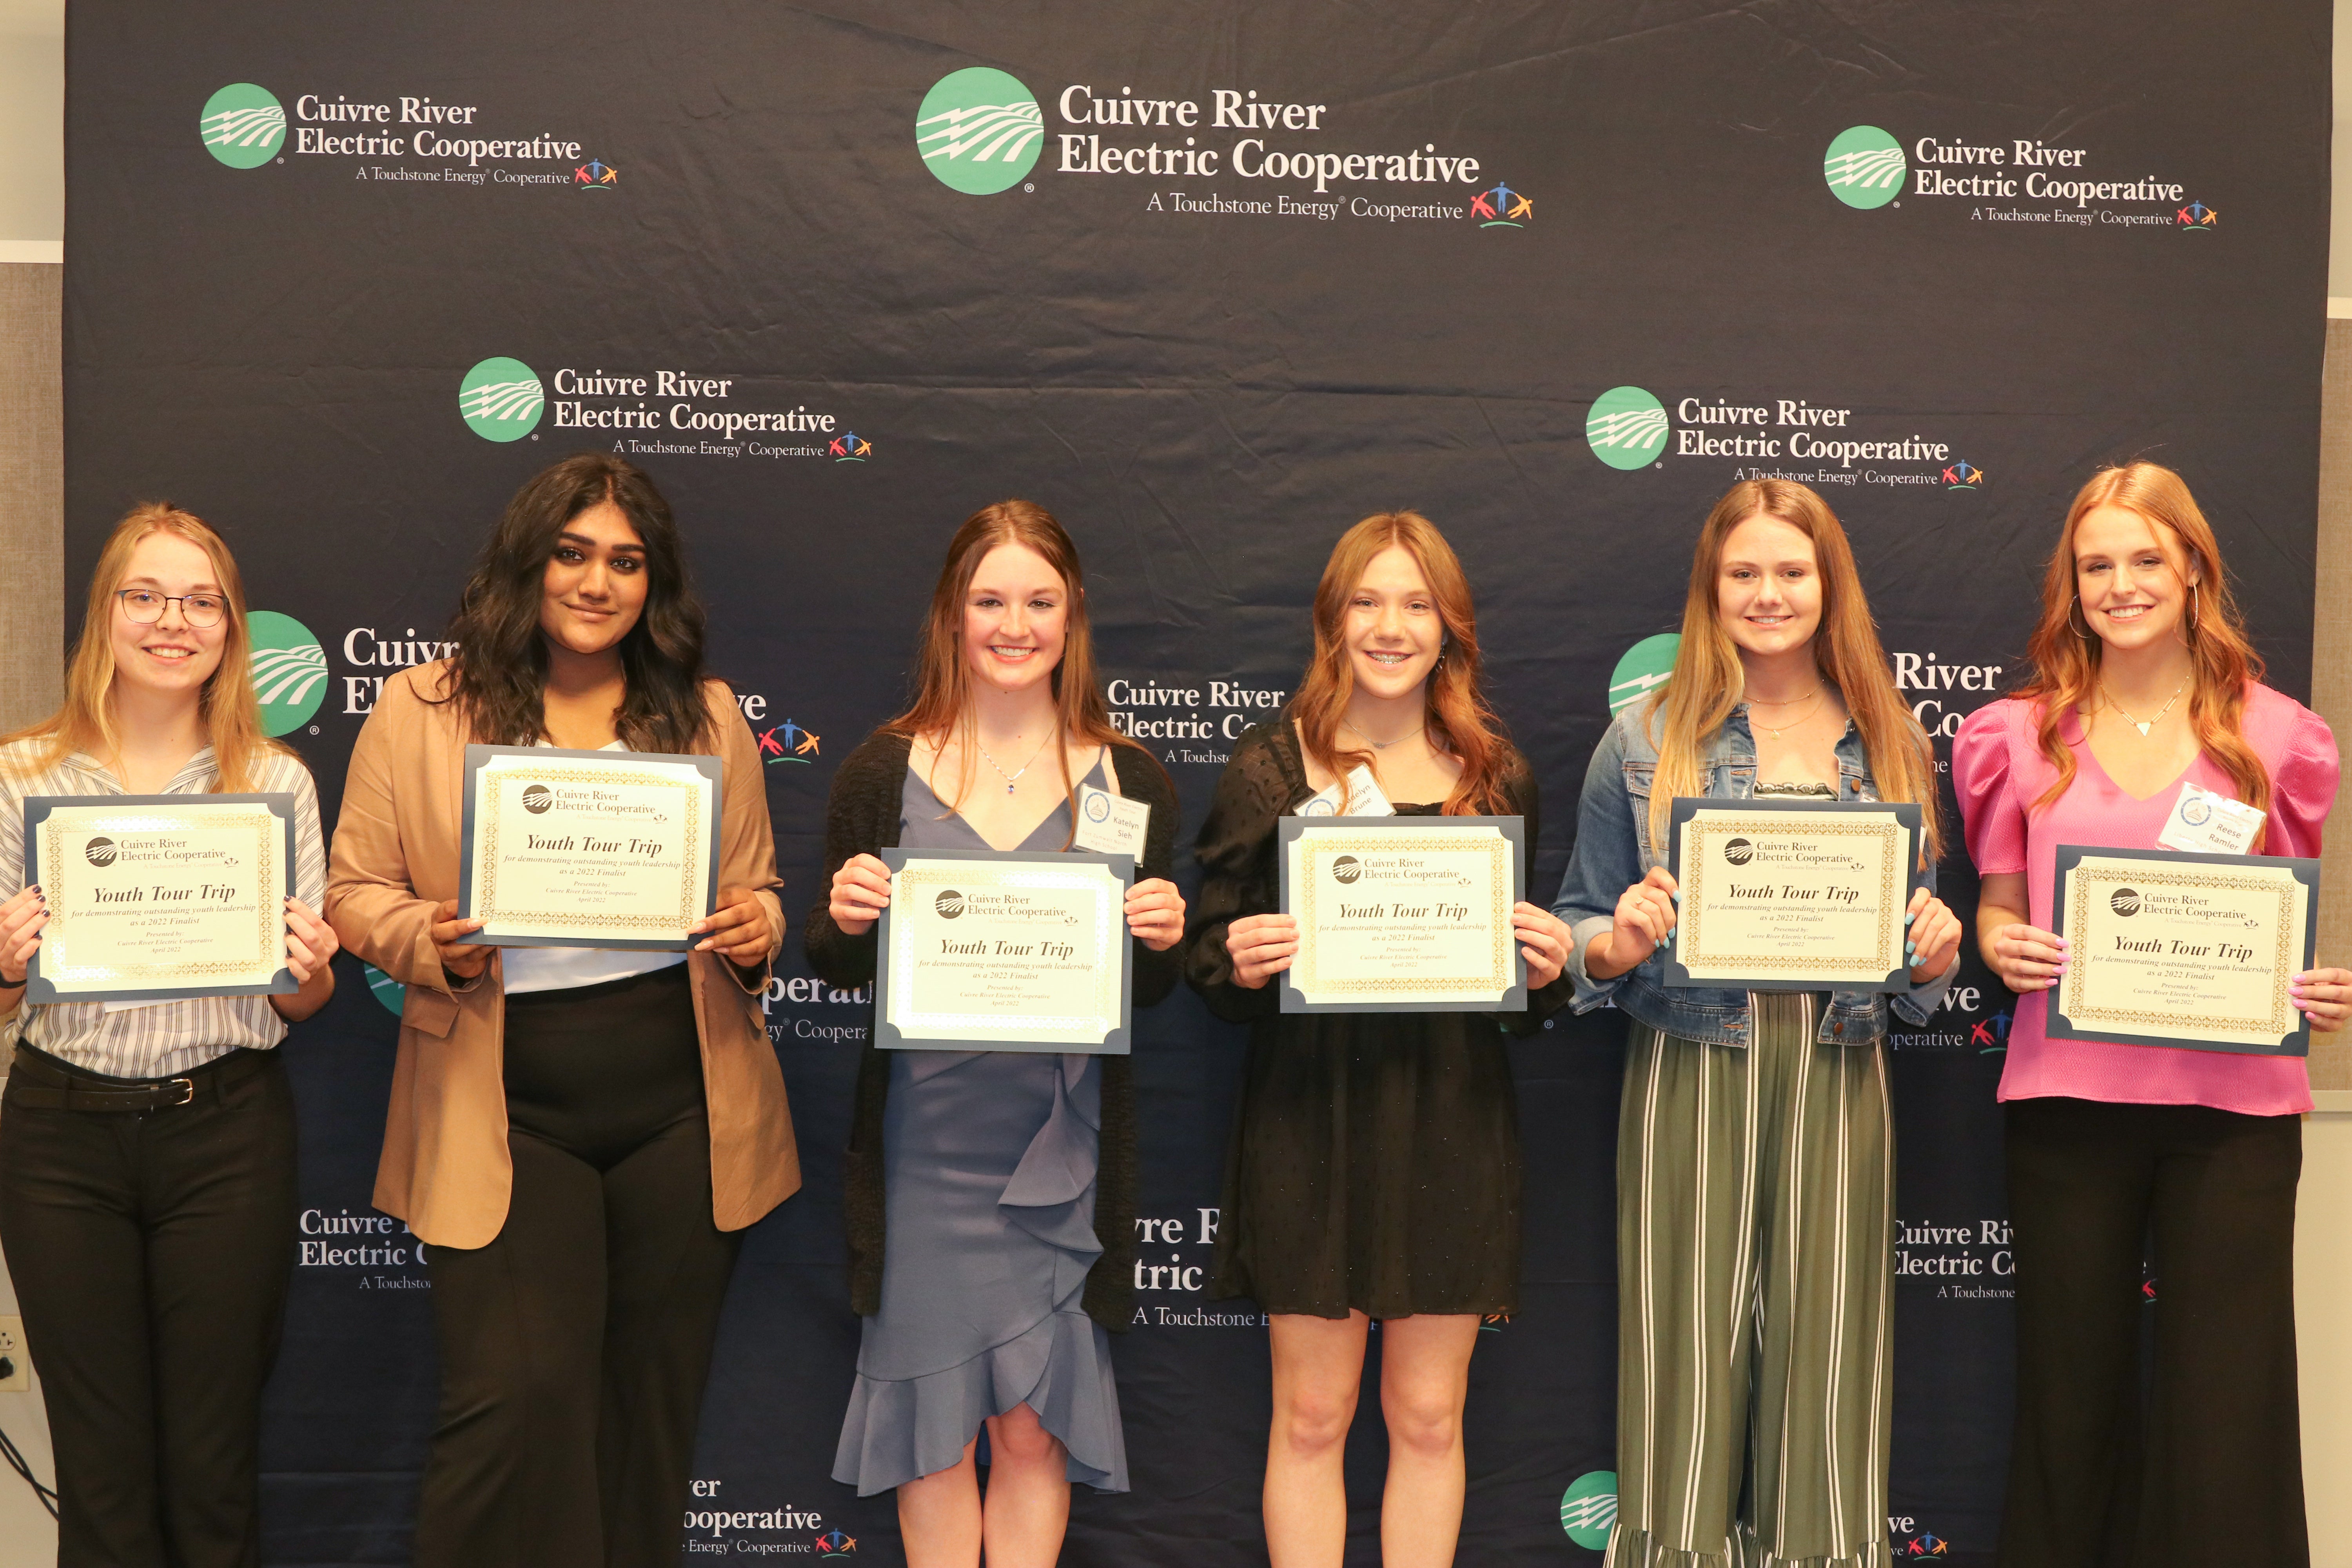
x=100, y=851
x=243, y=125
x=536, y=798
x=1738, y=851
x=978, y=131
x=501, y=399
x=2124, y=901
x=1346, y=870
x=950, y=903
x=289, y=670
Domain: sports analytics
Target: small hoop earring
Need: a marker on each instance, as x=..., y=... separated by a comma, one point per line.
x=2072, y=607
x=2193, y=609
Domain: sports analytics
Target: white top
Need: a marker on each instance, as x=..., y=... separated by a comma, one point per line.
x=165, y=1038
x=527, y=969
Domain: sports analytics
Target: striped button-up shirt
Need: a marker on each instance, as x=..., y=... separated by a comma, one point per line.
x=168, y=1038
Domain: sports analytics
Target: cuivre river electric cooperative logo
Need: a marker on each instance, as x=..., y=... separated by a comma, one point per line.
x=1866, y=167
x=500, y=399
x=289, y=670
x=1630, y=427
x=978, y=131
x=243, y=125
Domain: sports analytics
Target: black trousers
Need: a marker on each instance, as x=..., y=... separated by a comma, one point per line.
x=2211, y=1471
x=152, y=1252
x=575, y=1347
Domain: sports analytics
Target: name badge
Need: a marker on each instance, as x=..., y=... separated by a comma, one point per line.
x=1111, y=824
x=2204, y=822
x=1359, y=796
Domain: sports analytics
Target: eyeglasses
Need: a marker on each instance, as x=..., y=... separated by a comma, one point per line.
x=145, y=606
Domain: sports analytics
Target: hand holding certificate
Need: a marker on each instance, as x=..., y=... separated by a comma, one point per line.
x=154, y=897
x=2196, y=951
x=564, y=848
x=1791, y=895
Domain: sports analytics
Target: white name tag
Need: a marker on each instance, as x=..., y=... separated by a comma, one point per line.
x=1359, y=796
x=1111, y=824
x=2204, y=822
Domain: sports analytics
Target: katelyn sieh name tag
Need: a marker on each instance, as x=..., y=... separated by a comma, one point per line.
x=1111, y=824
x=565, y=848
x=1403, y=914
x=154, y=897
x=1359, y=794
x=1792, y=895
x=2183, y=950
x=1005, y=950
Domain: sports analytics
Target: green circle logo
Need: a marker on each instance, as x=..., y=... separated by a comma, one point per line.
x=385, y=989
x=1588, y=1510
x=1627, y=427
x=978, y=131
x=243, y=125
x=289, y=670
x=1865, y=167
x=501, y=399
x=1642, y=670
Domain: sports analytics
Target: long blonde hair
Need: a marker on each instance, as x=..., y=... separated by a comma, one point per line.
x=1454, y=708
x=942, y=704
x=2223, y=661
x=85, y=723
x=1708, y=679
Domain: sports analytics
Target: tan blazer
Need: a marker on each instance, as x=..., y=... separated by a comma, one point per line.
x=446, y=1168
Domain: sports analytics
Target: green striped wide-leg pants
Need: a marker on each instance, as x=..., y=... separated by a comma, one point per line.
x=1755, y=1190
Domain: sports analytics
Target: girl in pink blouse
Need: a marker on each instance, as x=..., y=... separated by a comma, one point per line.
x=2144, y=679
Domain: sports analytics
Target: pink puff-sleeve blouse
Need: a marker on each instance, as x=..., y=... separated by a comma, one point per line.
x=1998, y=771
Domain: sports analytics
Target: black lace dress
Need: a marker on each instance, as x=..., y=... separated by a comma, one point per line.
x=1374, y=1162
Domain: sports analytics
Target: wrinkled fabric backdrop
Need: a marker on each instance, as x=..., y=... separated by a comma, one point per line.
x=1211, y=282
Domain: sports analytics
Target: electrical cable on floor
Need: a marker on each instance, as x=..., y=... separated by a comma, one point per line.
x=15, y=1458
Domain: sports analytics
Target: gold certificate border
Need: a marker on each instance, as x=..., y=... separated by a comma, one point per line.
x=918, y=874
x=491, y=785
x=2282, y=1020
x=1316, y=842
x=1707, y=826
x=59, y=879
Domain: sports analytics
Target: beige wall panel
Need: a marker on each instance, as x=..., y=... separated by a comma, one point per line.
x=32, y=492
x=2331, y=673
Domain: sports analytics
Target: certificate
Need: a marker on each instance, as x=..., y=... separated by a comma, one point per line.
x=588, y=848
x=1403, y=914
x=156, y=897
x=1792, y=895
x=2183, y=950
x=1002, y=950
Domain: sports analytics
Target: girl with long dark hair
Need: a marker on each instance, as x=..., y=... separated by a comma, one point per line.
x=1374, y=1168
x=147, y=1183
x=991, y=1194
x=1755, y=1145
x=579, y=1135
x=2144, y=681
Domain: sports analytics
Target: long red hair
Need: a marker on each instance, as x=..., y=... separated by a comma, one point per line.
x=1708, y=679
x=2222, y=660
x=942, y=704
x=1456, y=710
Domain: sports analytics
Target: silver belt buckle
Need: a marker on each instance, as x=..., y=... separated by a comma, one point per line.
x=187, y=1088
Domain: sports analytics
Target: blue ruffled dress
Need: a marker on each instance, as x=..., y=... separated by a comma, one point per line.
x=989, y=1164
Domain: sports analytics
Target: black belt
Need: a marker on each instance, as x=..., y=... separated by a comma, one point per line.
x=41, y=1082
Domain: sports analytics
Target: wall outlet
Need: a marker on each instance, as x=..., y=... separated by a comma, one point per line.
x=12, y=1349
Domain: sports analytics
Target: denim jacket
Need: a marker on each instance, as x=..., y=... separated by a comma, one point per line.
x=1613, y=852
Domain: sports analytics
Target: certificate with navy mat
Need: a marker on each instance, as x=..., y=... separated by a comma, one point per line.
x=1791, y=895
x=1005, y=950
x=152, y=898
x=1403, y=914
x=565, y=848
x=2194, y=951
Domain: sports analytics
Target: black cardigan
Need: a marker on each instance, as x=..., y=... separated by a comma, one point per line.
x=861, y=817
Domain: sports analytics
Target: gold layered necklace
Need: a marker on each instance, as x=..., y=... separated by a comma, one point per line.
x=1790, y=723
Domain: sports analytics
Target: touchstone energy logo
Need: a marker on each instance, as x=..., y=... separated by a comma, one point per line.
x=289, y=670
x=978, y=131
x=1627, y=427
x=1865, y=167
x=1869, y=168
x=787, y=743
x=2197, y=218
x=500, y=399
x=1502, y=207
x=243, y=125
x=1962, y=475
x=594, y=175
x=849, y=446
x=1588, y=1510
x=1642, y=670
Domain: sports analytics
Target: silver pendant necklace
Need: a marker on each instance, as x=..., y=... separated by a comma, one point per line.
x=1013, y=779
x=1382, y=745
x=2145, y=725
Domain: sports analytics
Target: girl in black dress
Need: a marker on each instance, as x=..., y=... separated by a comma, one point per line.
x=1374, y=1170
